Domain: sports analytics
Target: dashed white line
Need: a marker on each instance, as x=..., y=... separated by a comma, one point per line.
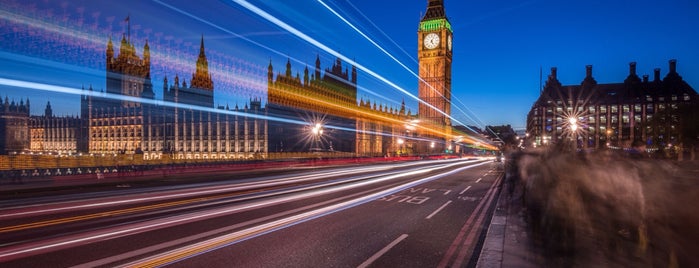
x=462, y=192
x=377, y=255
x=439, y=209
x=479, y=180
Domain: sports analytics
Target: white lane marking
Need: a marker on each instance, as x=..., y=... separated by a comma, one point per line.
x=224, y=240
x=479, y=180
x=377, y=255
x=462, y=192
x=439, y=209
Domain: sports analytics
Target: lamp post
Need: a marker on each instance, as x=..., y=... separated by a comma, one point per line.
x=574, y=129
x=317, y=132
x=400, y=145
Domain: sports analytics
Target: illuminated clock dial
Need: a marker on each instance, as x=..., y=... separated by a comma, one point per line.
x=431, y=40
x=449, y=43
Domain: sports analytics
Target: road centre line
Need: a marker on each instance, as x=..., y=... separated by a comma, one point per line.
x=462, y=192
x=437, y=211
x=91, y=236
x=224, y=240
x=479, y=180
x=380, y=253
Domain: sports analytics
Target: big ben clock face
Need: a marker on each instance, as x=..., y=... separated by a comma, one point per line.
x=449, y=43
x=431, y=40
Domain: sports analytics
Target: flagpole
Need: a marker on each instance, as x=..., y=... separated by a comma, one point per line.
x=128, y=29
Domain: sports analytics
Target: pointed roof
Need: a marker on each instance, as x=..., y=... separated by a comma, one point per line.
x=435, y=10
x=202, y=78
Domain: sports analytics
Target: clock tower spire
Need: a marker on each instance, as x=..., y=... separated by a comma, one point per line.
x=434, y=59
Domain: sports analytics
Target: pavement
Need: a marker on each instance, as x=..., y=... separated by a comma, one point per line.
x=508, y=242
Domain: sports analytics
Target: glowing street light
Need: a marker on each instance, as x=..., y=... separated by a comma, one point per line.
x=317, y=129
x=573, y=124
x=573, y=130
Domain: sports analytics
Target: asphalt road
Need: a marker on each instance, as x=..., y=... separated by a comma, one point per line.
x=415, y=214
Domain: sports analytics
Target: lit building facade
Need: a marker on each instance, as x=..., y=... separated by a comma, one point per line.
x=187, y=126
x=320, y=112
x=49, y=133
x=611, y=115
x=325, y=101
x=14, y=126
x=126, y=118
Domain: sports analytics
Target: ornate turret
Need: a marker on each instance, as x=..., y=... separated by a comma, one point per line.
x=317, y=72
x=110, y=51
x=288, y=67
x=201, y=78
x=146, y=58
x=48, y=112
x=270, y=72
x=354, y=74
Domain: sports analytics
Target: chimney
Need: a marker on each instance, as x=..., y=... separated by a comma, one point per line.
x=673, y=66
x=588, y=71
x=632, y=68
x=656, y=75
x=645, y=78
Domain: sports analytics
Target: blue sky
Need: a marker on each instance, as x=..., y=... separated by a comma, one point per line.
x=499, y=46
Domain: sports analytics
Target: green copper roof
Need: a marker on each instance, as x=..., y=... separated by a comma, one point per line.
x=435, y=25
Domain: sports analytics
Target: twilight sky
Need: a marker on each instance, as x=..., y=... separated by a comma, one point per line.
x=499, y=46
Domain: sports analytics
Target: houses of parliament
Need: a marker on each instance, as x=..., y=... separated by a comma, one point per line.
x=316, y=111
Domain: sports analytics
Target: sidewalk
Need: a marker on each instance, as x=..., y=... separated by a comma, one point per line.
x=507, y=242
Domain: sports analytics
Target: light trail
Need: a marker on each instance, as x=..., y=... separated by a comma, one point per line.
x=233, y=238
x=170, y=61
x=80, y=92
x=290, y=29
x=91, y=38
x=400, y=63
x=261, y=182
x=56, y=243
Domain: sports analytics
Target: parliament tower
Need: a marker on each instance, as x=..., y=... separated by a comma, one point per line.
x=434, y=59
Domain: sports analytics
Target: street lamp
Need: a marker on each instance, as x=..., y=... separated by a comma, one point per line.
x=573, y=130
x=317, y=132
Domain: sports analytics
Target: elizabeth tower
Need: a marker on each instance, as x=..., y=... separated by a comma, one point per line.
x=434, y=60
